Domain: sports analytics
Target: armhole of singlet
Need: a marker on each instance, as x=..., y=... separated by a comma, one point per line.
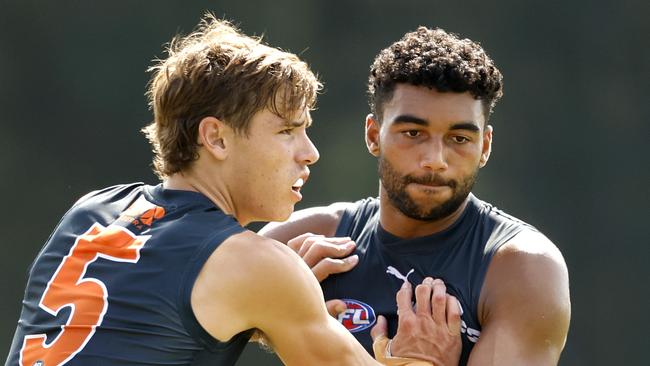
x=343, y=228
x=491, y=247
x=353, y=215
x=191, y=272
x=348, y=226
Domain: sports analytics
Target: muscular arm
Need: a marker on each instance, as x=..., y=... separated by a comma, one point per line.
x=524, y=306
x=252, y=282
x=323, y=255
x=321, y=220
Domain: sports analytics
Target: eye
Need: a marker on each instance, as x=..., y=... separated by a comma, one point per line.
x=287, y=131
x=411, y=133
x=460, y=139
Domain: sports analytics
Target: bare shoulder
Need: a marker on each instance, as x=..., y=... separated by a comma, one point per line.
x=530, y=244
x=530, y=266
x=246, y=280
x=525, y=295
x=322, y=220
x=252, y=261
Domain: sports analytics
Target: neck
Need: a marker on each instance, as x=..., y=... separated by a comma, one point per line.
x=400, y=225
x=214, y=191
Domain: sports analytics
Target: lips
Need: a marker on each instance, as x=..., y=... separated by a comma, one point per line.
x=298, y=184
x=430, y=181
x=428, y=187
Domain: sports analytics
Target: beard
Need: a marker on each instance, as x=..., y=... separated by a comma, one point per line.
x=395, y=186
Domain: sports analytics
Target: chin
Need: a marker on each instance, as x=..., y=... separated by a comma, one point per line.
x=283, y=215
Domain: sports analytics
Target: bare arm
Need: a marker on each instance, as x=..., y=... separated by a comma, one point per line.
x=525, y=306
x=251, y=282
x=321, y=220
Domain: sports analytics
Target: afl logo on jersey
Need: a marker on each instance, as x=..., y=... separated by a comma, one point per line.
x=358, y=316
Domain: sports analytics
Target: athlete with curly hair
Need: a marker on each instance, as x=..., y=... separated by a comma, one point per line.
x=431, y=95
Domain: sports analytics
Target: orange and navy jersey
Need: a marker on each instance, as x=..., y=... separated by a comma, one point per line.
x=112, y=284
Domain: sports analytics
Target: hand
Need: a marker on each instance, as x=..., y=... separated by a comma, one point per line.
x=432, y=331
x=381, y=348
x=324, y=255
x=335, y=307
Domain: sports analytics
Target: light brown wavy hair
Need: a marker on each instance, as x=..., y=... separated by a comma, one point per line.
x=218, y=71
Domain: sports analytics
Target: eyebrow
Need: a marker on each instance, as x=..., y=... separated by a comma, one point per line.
x=407, y=118
x=470, y=126
x=296, y=124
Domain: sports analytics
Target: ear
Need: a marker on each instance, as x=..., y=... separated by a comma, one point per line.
x=487, y=145
x=213, y=135
x=372, y=134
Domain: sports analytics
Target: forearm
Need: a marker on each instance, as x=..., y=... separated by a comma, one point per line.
x=333, y=345
x=383, y=355
x=321, y=344
x=315, y=220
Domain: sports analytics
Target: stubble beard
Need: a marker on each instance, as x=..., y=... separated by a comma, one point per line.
x=395, y=186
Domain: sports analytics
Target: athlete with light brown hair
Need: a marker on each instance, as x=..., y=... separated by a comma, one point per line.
x=168, y=275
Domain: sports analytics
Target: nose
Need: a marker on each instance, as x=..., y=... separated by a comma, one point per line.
x=308, y=154
x=434, y=156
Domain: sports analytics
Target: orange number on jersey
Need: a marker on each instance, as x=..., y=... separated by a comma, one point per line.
x=87, y=297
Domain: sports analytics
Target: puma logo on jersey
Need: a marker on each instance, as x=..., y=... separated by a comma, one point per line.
x=393, y=271
x=358, y=316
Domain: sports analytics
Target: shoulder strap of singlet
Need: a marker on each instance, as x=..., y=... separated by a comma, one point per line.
x=356, y=216
x=193, y=268
x=505, y=228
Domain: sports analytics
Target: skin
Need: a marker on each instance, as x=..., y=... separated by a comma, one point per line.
x=427, y=133
x=252, y=177
x=524, y=306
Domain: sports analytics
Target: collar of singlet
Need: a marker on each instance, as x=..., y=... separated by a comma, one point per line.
x=436, y=241
x=176, y=197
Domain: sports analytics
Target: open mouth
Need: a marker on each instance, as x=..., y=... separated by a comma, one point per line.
x=297, y=185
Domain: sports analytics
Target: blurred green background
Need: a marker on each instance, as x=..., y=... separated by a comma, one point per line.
x=570, y=145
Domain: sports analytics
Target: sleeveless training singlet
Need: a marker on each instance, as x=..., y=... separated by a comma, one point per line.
x=112, y=284
x=459, y=255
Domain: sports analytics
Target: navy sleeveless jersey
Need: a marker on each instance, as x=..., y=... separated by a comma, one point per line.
x=112, y=284
x=458, y=255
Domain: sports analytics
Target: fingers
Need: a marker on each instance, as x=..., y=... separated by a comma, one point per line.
x=335, y=307
x=326, y=248
x=432, y=299
x=328, y=266
x=439, y=301
x=379, y=334
x=380, y=329
x=453, y=315
x=423, y=297
x=296, y=242
x=404, y=301
x=313, y=248
x=325, y=255
x=432, y=332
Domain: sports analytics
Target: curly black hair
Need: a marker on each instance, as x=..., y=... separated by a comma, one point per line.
x=437, y=60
